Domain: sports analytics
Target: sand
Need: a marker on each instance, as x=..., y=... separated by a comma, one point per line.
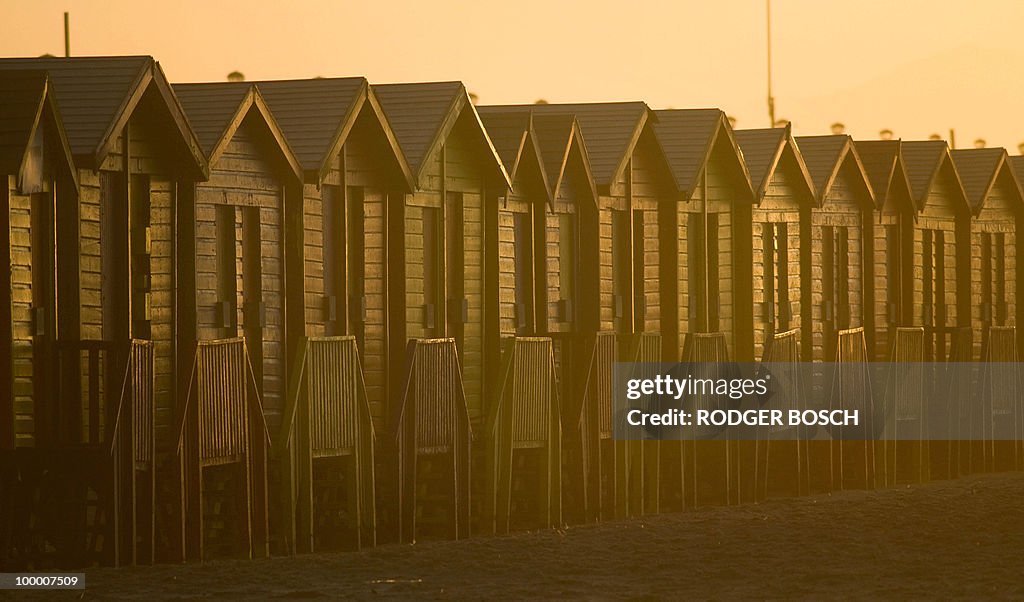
x=960, y=539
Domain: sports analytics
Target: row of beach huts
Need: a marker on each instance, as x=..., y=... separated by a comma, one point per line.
x=245, y=318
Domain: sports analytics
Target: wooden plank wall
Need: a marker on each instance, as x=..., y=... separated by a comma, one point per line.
x=844, y=208
x=19, y=230
x=517, y=203
x=998, y=217
x=781, y=205
x=244, y=180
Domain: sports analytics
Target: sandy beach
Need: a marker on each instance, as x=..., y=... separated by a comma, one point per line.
x=950, y=539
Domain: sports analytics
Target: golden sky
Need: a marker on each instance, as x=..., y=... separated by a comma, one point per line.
x=915, y=66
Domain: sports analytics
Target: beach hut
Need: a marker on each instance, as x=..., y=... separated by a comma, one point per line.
x=337, y=271
x=893, y=229
x=568, y=235
x=941, y=295
x=713, y=246
x=783, y=194
x=235, y=240
x=443, y=299
x=137, y=160
x=783, y=197
x=895, y=338
x=709, y=316
x=523, y=431
x=40, y=188
x=837, y=272
x=633, y=184
x=997, y=208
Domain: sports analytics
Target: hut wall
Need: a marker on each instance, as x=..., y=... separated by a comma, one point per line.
x=892, y=276
x=108, y=245
x=781, y=206
x=843, y=208
x=244, y=198
x=568, y=244
x=994, y=262
x=456, y=186
x=515, y=213
x=19, y=233
x=721, y=307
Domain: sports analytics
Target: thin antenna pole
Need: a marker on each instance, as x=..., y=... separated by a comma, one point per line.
x=67, y=35
x=771, y=99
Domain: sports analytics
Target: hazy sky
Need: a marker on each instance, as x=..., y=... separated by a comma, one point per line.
x=915, y=66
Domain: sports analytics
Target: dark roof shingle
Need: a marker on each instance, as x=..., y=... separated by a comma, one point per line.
x=21, y=94
x=311, y=112
x=210, y=108
x=416, y=112
x=760, y=149
x=686, y=136
x=90, y=92
x=879, y=158
x=821, y=155
x=977, y=168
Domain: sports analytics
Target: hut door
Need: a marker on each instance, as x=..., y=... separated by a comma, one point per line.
x=114, y=256
x=704, y=272
x=334, y=261
x=355, y=272
x=621, y=271
x=894, y=277
x=639, y=292
x=44, y=314
x=568, y=268
x=776, y=278
x=522, y=224
x=227, y=271
x=455, y=266
x=828, y=291
x=253, y=308
x=933, y=306
x=993, y=283
x=432, y=253
x=139, y=233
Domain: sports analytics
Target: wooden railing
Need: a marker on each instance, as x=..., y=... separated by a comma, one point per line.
x=432, y=418
x=221, y=423
x=328, y=416
x=527, y=415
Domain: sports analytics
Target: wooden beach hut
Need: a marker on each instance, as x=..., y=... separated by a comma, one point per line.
x=40, y=185
x=895, y=338
x=337, y=271
x=837, y=272
x=893, y=229
x=940, y=298
x=236, y=241
x=522, y=432
x=633, y=183
x=137, y=160
x=443, y=300
x=997, y=209
x=710, y=312
x=783, y=197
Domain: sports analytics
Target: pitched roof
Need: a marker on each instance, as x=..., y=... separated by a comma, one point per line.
x=824, y=157
x=556, y=135
x=211, y=108
x=513, y=138
x=508, y=133
x=23, y=97
x=97, y=95
x=423, y=114
x=217, y=110
x=923, y=159
x=1016, y=163
x=688, y=137
x=978, y=169
x=762, y=150
x=611, y=129
x=882, y=163
x=315, y=114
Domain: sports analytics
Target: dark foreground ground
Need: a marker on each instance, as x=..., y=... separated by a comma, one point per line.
x=959, y=539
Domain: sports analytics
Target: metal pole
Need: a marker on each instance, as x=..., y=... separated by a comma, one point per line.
x=771, y=99
x=67, y=36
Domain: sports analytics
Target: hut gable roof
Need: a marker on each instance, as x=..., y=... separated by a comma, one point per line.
x=979, y=169
x=1016, y=165
x=556, y=135
x=825, y=156
x=216, y=110
x=924, y=160
x=688, y=138
x=316, y=116
x=24, y=96
x=611, y=129
x=97, y=96
x=883, y=164
x=423, y=114
x=514, y=139
x=763, y=149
